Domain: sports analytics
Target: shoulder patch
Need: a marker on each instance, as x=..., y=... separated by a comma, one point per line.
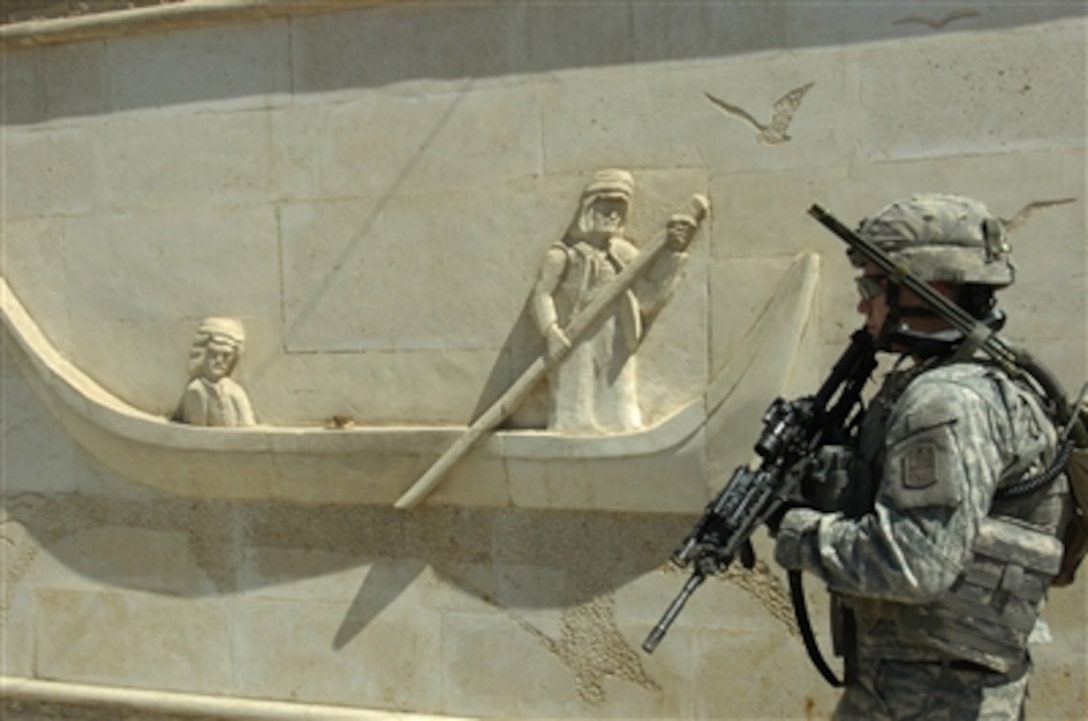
x=920, y=466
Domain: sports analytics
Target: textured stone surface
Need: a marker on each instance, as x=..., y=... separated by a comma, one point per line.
x=371, y=192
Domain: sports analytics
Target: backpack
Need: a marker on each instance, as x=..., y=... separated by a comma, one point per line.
x=1076, y=533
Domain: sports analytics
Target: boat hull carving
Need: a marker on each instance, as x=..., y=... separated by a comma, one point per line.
x=670, y=467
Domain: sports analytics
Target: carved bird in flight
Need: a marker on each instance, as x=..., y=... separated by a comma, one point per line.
x=1024, y=213
x=773, y=133
x=937, y=23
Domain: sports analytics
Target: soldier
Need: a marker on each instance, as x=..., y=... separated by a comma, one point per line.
x=938, y=551
x=212, y=397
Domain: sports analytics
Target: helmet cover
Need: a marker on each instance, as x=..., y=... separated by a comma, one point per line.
x=942, y=237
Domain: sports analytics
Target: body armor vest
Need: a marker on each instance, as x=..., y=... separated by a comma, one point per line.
x=989, y=612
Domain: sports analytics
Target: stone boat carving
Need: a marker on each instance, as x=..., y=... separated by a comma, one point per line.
x=668, y=467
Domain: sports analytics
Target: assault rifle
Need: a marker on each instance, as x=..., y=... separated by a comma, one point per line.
x=792, y=432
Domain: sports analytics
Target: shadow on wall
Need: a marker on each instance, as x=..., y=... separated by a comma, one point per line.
x=522, y=345
x=207, y=549
x=379, y=47
x=362, y=560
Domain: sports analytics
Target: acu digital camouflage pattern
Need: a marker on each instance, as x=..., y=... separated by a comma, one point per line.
x=887, y=690
x=945, y=582
x=942, y=237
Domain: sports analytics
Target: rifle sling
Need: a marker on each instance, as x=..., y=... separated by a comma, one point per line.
x=804, y=623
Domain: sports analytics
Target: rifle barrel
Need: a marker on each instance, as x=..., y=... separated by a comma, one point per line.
x=673, y=611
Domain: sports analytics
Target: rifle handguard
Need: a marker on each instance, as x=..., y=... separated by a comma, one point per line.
x=791, y=431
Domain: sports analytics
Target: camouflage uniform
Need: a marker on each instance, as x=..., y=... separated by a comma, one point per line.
x=943, y=578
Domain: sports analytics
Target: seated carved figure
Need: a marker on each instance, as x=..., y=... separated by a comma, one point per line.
x=212, y=397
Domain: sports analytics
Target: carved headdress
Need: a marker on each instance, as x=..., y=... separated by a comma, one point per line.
x=607, y=183
x=610, y=183
x=228, y=332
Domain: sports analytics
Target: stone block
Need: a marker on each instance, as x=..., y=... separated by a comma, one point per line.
x=384, y=143
x=349, y=266
x=741, y=601
x=745, y=229
x=577, y=35
x=33, y=265
x=667, y=689
x=663, y=481
x=486, y=657
x=815, y=23
x=184, y=160
x=706, y=29
x=56, y=172
x=1060, y=681
x=296, y=135
x=125, y=267
x=926, y=104
x=463, y=586
x=165, y=643
x=741, y=291
x=298, y=651
x=21, y=89
x=94, y=479
x=16, y=627
x=158, y=560
x=661, y=116
x=367, y=49
x=762, y=690
x=812, y=23
x=38, y=456
x=305, y=574
x=539, y=590
x=76, y=80
x=308, y=388
x=474, y=481
x=240, y=67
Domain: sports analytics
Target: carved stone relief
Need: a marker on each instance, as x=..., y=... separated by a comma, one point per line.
x=594, y=389
x=935, y=22
x=774, y=131
x=212, y=397
x=1021, y=216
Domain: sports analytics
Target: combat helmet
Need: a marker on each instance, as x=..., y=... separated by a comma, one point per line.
x=942, y=237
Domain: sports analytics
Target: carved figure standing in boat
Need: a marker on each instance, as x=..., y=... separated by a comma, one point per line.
x=212, y=397
x=593, y=390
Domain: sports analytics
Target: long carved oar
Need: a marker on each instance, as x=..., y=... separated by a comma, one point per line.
x=516, y=393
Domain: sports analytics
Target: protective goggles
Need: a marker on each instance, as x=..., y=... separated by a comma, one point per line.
x=870, y=286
